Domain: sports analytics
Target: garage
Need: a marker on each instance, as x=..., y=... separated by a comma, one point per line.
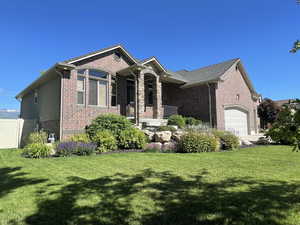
x=236, y=121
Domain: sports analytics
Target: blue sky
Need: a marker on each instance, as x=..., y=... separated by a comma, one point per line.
x=181, y=34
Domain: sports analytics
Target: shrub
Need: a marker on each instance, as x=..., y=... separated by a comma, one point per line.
x=191, y=121
x=85, y=148
x=105, y=141
x=132, y=138
x=166, y=128
x=37, y=137
x=198, y=142
x=113, y=123
x=83, y=138
x=36, y=150
x=69, y=148
x=66, y=148
x=227, y=139
x=176, y=120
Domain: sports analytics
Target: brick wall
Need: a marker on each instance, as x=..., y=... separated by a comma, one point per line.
x=76, y=117
x=226, y=96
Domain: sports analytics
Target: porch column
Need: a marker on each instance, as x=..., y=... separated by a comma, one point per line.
x=157, y=101
x=140, y=96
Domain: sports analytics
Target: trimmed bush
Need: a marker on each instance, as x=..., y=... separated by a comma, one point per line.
x=177, y=120
x=198, y=142
x=111, y=122
x=36, y=150
x=166, y=128
x=83, y=138
x=228, y=140
x=105, y=141
x=191, y=121
x=37, y=137
x=69, y=148
x=132, y=138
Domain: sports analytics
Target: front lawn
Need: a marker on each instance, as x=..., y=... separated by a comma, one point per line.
x=250, y=186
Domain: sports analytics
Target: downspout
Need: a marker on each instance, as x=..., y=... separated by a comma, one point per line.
x=209, y=104
x=61, y=103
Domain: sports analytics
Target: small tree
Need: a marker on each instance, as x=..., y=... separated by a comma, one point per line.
x=268, y=111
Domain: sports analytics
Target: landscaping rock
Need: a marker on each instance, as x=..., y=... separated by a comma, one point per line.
x=163, y=136
x=154, y=145
x=169, y=146
x=246, y=143
x=177, y=135
x=149, y=134
x=264, y=141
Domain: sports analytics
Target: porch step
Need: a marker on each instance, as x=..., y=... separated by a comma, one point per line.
x=154, y=122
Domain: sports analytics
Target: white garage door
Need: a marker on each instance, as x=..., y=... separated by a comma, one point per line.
x=236, y=121
x=9, y=133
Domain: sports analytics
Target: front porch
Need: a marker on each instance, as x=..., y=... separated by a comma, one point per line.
x=140, y=94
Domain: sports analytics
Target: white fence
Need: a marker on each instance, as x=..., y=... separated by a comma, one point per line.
x=14, y=131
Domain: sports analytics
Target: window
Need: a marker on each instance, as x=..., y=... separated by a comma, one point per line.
x=35, y=97
x=150, y=93
x=98, y=87
x=238, y=97
x=80, y=90
x=81, y=72
x=113, y=92
x=97, y=74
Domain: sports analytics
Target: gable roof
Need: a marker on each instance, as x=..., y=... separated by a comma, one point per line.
x=101, y=51
x=208, y=73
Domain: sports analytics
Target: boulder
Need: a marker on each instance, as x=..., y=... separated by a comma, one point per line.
x=163, y=136
x=246, y=143
x=149, y=134
x=177, y=135
x=154, y=145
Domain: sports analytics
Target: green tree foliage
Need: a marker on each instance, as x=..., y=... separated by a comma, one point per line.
x=296, y=47
x=268, y=111
x=286, y=128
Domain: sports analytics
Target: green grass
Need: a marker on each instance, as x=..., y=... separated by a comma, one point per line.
x=250, y=186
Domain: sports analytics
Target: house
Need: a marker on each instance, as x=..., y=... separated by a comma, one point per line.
x=70, y=94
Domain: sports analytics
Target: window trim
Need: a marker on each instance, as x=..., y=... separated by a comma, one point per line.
x=116, y=94
x=84, y=89
x=98, y=79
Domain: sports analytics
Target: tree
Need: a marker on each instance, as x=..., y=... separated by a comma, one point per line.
x=296, y=47
x=268, y=111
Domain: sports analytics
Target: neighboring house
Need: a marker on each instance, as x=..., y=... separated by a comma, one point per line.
x=288, y=102
x=70, y=94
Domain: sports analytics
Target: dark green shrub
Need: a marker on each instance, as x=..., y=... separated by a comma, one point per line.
x=36, y=150
x=166, y=128
x=227, y=139
x=105, y=141
x=37, y=137
x=191, y=121
x=83, y=138
x=111, y=122
x=132, y=138
x=198, y=142
x=177, y=120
